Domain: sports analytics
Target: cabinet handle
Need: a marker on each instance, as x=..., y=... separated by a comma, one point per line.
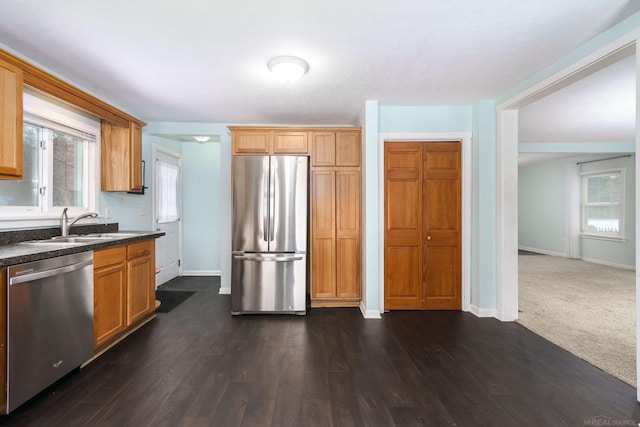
x=428, y=237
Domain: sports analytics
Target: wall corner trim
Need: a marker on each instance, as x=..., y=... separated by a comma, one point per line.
x=369, y=314
x=482, y=312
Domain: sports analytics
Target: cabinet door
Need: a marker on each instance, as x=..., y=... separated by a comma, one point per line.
x=348, y=148
x=323, y=149
x=121, y=157
x=251, y=141
x=348, y=234
x=140, y=280
x=135, y=179
x=109, y=302
x=115, y=157
x=109, y=282
x=290, y=142
x=10, y=121
x=323, y=241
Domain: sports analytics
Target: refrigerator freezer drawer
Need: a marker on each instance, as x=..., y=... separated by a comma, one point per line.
x=268, y=283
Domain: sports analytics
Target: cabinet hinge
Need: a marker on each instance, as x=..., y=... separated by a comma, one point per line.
x=178, y=263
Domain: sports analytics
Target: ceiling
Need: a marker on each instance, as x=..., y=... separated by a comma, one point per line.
x=206, y=61
x=598, y=108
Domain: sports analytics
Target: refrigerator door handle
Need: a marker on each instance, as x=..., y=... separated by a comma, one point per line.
x=265, y=211
x=262, y=258
x=272, y=200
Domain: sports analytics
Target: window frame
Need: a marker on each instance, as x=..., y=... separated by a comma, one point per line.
x=50, y=109
x=584, y=176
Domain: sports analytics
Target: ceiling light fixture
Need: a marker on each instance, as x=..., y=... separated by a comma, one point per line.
x=201, y=139
x=288, y=69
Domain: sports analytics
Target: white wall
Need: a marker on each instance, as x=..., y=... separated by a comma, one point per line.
x=201, y=224
x=543, y=189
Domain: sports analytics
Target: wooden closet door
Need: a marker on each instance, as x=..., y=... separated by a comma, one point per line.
x=403, y=225
x=442, y=212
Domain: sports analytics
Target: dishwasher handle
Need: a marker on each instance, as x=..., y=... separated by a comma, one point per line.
x=48, y=273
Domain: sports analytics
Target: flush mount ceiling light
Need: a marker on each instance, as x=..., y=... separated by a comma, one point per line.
x=288, y=69
x=201, y=139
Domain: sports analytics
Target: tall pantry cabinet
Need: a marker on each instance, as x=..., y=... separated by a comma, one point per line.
x=335, y=218
x=334, y=194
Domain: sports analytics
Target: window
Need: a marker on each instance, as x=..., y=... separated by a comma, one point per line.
x=602, y=200
x=59, y=163
x=167, y=190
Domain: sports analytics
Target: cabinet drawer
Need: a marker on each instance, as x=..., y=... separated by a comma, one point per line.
x=105, y=257
x=136, y=250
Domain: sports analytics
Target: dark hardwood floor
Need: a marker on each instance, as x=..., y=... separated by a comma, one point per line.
x=199, y=366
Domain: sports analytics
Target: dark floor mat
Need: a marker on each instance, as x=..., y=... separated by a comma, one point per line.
x=171, y=299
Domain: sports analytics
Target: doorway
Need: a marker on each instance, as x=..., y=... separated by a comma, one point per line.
x=422, y=225
x=167, y=172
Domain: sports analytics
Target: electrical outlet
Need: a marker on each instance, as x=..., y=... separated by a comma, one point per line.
x=107, y=212
x=143, y=211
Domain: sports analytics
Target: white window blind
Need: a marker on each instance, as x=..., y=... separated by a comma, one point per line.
x=167, y=189
x=603, y=203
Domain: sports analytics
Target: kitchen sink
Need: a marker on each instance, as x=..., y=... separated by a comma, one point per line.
x=75, y=240
x=115, y=235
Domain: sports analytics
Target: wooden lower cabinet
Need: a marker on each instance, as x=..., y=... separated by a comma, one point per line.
x=3, y=340
x=140, y=276
x=109, y=293
x=124, y=290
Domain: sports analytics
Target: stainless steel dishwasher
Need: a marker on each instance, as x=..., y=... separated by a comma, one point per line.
x=50, y=323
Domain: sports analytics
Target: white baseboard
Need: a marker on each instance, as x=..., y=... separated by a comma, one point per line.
x=225, y=291
x=542, y=251
x=201, y=273
x=369, y=314
x=482, y=312
x=609, y=264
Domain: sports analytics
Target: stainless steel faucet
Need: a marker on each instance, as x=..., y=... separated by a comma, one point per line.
x=65, y=225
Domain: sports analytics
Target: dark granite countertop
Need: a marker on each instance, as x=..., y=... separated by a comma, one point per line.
x=23, y=250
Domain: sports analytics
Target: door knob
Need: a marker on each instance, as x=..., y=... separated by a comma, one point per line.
x=428, y=237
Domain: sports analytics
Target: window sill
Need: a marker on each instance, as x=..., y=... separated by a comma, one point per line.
x=606, y=238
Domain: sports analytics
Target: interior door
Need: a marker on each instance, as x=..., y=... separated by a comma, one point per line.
x=442, y=215
x=422, y=221
x=403, y=225
x=168, y=212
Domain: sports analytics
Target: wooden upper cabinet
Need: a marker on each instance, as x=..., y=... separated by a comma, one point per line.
x=265, y=141
x=290, y=142
x=323, y=148
x=11, y=79
x=253, y=141
x=121, y=157
x=335, y=148
x=135, y=134
x=348, y=148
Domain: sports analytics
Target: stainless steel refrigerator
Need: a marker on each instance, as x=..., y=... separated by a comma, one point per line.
x=269, y=236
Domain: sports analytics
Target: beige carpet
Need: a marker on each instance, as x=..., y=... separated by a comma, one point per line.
x=585, y=308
